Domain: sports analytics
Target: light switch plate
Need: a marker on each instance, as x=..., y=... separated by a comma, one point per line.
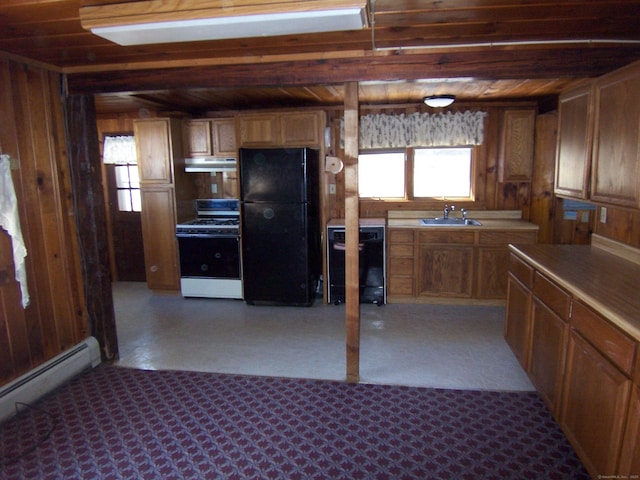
x=603, y=214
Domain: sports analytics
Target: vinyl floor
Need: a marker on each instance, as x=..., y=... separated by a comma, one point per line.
x=440, y=346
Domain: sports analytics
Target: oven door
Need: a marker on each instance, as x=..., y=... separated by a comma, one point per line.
x=209, y=256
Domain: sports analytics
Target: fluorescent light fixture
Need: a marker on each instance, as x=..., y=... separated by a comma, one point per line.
x=290, y=20
x=439, y=101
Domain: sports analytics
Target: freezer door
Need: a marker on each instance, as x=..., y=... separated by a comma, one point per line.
x=278, y=267
x=277, y=175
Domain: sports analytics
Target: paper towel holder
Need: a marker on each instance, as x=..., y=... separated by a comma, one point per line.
x=333, y=164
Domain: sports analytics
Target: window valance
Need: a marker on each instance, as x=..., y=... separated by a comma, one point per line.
x=420, y=130
x=119, y=149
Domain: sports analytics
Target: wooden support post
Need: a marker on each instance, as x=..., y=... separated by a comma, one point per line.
x=352, y=231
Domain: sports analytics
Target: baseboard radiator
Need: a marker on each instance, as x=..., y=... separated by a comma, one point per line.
x=46, y=377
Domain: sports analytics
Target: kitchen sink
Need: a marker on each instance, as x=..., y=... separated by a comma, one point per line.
x=450, y=222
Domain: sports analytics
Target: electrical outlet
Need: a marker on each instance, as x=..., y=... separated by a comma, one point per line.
x=332, y=188
x=214, y=188
x=603, y=214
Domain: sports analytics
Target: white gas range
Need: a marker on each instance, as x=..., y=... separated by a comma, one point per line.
x=209, y=247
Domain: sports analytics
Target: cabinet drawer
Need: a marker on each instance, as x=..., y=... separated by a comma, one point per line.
x=400, y=236
x=401, y=250
x=552, y=296
x=610, y=341
x=521, y=270
x=446, y=236
x=401, y=266
x=504, y=238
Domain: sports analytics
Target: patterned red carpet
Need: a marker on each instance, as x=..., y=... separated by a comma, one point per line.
x=119, y=423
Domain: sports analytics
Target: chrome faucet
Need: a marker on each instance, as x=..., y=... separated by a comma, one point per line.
x=448, y=209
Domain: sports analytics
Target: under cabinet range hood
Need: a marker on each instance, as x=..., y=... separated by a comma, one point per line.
x=210, y=164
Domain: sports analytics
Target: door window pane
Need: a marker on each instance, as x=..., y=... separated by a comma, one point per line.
x=128, y=185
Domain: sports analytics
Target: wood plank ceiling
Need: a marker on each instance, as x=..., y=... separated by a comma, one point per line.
x=475, y=49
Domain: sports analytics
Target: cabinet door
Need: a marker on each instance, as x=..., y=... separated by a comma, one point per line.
x=548, y=346
x=300, y=129
x=197, y=135
x=594, y=406
x=516, y=147
x=153, y=146
x=630, y=457
x=493, y=260
x=159, y=235
x=258, y=130
x=493, y=266
x=517, y=320
x=575, y=132
x=445, y=271
x=224, y=137
x=616, y=149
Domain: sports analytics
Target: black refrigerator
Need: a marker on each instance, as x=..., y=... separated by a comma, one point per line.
x=280, y=225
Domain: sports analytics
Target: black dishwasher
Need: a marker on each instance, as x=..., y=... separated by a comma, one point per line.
x=371, y=264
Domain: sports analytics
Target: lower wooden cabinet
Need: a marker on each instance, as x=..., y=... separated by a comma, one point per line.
x=518, y=319
x=584, y=366
x=445, y=270
x=451, y=263
x=159, y=235
x=630, y=456
x=594, y=406
x=400, y=267
x=548, y=346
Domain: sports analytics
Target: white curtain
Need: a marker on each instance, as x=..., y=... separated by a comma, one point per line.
x=420, y=130
x=120, y=149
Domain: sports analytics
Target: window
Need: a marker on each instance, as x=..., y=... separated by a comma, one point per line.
x=442, y=172
x=120, y=151
x=381, y=175
x=435, y=172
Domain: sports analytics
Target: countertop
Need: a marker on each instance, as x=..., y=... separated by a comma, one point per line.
x=364, y=222
x=490, y=219
x=608, y=283
x=491, y=224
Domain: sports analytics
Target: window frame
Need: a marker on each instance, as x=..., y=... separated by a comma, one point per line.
x=409, y=180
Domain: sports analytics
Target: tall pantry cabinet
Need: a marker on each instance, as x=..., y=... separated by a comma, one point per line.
x=167, y=195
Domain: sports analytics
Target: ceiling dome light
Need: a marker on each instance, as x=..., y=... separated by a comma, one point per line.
x=439, y=101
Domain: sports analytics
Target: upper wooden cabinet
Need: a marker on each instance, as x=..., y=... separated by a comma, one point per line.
x=289, y=129
x=223, y=131
x=154, y=146
x=598, y=155
x=615, y=176
x=575, y=133
x=516, y=145
x=204, y=138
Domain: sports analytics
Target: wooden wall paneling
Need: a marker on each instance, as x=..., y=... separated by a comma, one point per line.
x=542, y=196
x=14, y=345
x=59, y=235
x=352, y=231
x=491, y=140
x=622, y=225
x=35, y=135
x=77, y=322
x=37, y=188
x=86, y=168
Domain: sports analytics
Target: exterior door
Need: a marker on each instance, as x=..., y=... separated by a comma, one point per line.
x=126, y=227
